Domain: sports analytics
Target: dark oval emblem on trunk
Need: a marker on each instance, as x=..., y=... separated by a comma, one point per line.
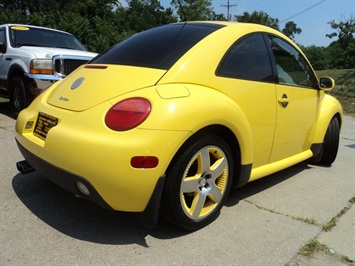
x=77, y=83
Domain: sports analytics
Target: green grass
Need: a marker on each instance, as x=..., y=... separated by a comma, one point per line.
x=313, y=246
x=333, y=222
x=344, y=89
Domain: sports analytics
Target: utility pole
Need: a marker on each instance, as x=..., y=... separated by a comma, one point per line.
x=228, y=6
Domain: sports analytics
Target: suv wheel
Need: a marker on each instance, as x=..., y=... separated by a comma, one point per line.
x=20, y=96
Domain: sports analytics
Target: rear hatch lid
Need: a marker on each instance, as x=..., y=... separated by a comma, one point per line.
x=91, y=85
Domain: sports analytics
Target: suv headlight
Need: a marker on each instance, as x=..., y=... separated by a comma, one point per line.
x=41, y=66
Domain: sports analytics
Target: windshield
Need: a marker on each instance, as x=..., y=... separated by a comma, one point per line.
x=30, y=36
x=157, y=48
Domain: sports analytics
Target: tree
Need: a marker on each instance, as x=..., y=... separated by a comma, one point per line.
x=145, y=14
x=98, y=24
x=219, y=17
x=263, y=18
x=7, y=16
x=318, y=56
x=194, y=9
x=344, y=31
x=258, y=18
x=291, y=29
x=342, y=51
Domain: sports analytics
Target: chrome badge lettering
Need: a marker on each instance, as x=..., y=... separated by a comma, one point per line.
x=61, y=98
x=77, y=83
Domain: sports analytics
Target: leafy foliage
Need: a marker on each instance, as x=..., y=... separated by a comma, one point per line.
x=99, y=24
x=259, y=18
x=193, y=9
x=263, y=18
x=318, y=56
x=344, y=89
x=342, y=51
x=291, y=29
x=340, y=54
x=345, y=32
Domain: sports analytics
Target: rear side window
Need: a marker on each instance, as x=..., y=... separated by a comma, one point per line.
x=248, y=58
x=157, y=48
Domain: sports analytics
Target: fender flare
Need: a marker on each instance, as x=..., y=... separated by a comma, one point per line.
x=14, y=70
x=329, y=107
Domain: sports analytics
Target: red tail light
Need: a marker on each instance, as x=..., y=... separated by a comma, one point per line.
x=127, y=114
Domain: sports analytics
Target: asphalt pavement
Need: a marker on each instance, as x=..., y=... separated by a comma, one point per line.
x=278, y=220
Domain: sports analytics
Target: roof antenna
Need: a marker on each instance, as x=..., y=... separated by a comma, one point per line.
x=182, y=10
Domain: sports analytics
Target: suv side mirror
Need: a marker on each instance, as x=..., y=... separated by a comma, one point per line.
x=326, y=83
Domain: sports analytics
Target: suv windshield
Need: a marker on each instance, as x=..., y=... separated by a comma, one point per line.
x=30, y=36
x=157, y=48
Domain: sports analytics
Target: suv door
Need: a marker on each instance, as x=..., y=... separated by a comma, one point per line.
x=297, y=97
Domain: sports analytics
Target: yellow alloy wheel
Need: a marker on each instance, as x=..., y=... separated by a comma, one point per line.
x=204, y=182
x=198, y=183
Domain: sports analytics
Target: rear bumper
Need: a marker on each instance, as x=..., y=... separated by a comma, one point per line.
x=61, y=177
x=149, y=217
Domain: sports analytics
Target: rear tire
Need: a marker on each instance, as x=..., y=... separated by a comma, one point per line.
x=330, y=145
x=20, y=96
x=198, y=183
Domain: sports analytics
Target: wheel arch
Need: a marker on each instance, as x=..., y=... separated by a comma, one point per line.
x=240, y=173
x=330, y=108
x=14, y=70
x=18, y=70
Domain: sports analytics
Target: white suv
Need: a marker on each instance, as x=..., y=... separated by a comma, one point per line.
x=32, y=58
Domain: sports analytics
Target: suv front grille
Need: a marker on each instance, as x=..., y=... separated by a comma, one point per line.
x=64, y=66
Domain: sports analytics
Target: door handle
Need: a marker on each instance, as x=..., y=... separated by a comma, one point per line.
x=283, y=100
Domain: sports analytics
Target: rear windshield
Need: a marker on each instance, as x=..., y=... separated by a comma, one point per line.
x=30, y=36
x=157, y=48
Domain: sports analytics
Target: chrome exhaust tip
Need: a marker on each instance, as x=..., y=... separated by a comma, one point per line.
x=24, y=167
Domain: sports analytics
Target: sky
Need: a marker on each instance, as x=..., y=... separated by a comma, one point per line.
x=312, y=16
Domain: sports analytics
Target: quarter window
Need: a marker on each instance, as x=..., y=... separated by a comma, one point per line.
x=292, y=67
x=248, y=58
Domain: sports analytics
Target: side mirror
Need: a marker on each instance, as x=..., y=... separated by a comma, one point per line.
x=326, y=83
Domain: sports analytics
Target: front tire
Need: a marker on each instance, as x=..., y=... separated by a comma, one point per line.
x=20, y=96
x=331, y=143
x=198, y=183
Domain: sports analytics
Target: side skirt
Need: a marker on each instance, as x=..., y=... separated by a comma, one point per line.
x=274, y=167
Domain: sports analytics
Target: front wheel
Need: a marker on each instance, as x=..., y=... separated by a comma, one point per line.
x=198, y=183
x=20, y=96
x=330, y=145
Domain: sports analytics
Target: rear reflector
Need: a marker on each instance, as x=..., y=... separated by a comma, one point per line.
x=144, y=162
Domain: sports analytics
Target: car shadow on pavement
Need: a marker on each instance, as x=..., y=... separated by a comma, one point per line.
x=262, y=184
x=84, y=220
x=5, y=108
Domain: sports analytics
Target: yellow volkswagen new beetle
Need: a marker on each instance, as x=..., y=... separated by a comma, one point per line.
x=167, y=121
